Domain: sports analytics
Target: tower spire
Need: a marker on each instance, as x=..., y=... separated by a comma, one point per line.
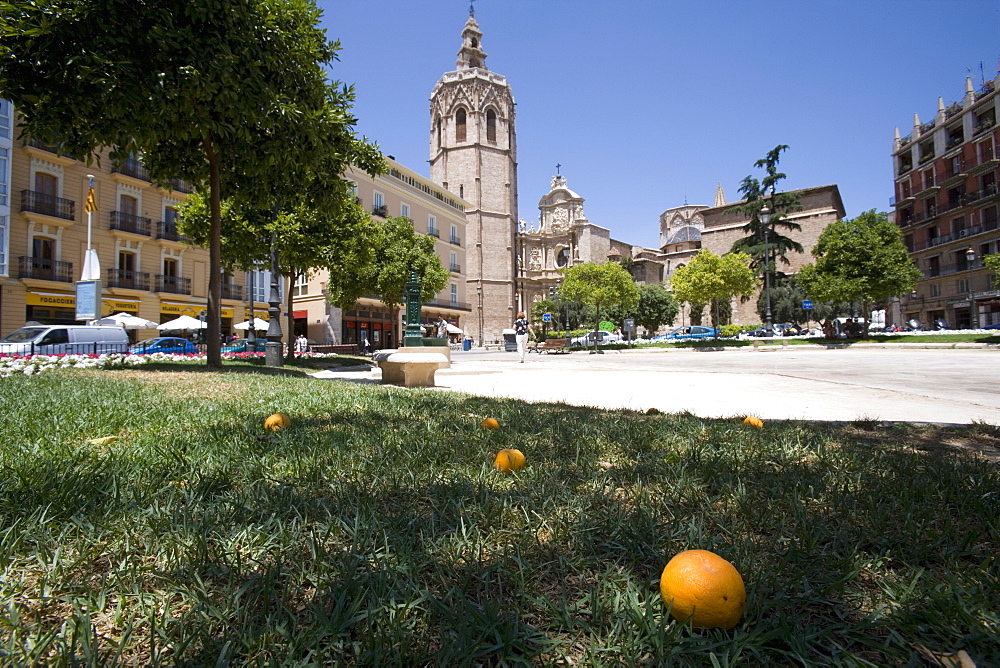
x=720, y=197
x=471, y=55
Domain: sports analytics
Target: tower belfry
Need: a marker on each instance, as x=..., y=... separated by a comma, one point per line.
x=473, y=153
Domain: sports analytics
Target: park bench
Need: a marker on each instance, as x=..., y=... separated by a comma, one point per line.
x=550, y=346
x=770, y=339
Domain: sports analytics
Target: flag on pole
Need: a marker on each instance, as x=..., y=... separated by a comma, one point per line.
x=91, y=204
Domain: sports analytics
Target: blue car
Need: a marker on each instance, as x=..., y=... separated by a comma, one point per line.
x=172, y=345
x=243, y=346
x=687, y=333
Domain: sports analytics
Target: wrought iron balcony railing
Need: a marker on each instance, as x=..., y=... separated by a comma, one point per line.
x=46, y=270
x=126, y=278
x=168, y=231
x=132, y=167
x=173, y=284
x=129, y=222
x=232, y=291
x=57, y=207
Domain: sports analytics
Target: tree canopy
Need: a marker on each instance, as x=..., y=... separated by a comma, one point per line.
x=194, y=89
x=599, y=286
x=758, y=194
x=656, y=307
x=709, y=276
x=860, y=259
x=992, y=262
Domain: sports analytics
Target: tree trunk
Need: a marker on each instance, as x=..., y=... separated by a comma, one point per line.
x=213, y=333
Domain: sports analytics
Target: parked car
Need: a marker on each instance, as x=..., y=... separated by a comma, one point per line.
x=688, y=332
x=64, y=339
x=172, y=345
x=780, y=329
x=243, y=346
x=602, y=338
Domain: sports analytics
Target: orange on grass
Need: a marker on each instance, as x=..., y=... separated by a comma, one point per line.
x=510, y=459
x=489, y=423
x=277, y=422
x=705, y=587
x=755, y=421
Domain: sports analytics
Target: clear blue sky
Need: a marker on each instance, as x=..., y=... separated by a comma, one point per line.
x=646, y=103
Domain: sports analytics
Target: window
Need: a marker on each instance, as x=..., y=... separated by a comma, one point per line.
x=460, y=125
x=169, y=215
x=935, y=290
x=261, y=283
x=128, y=205
x=928, y=176
x=4, y=165
x=3, y=245
x=454, y=294
x=454, y=261
x=46, y=184
x=562, y=258
x=491, y=126
x=301, y=287
x=454, y=234
x=963, y=285
x=43, y=248
x=958, y=226
x=126, y=262
x=438, y=125
x=404, y=210
x=934, y=266
x=432, y=226
x=170, y=267
x=5, y=115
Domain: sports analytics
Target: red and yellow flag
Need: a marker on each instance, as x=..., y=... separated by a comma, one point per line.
x=91, y=204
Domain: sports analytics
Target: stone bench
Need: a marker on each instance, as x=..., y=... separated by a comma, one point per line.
x=771, y=339
x=409, y=369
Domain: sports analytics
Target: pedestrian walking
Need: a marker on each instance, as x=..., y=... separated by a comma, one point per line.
x=442, y=327
x=301, y=344
x=521, y=330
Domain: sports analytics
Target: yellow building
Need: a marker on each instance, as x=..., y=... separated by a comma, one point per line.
x=147, y=269
x=434, y=211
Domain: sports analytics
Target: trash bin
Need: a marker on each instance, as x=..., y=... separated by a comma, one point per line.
x=467, y=344
x=509, y=341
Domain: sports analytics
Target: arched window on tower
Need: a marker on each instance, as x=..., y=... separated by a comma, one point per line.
x=491, y=126
x=439, y=131
x=460, y=125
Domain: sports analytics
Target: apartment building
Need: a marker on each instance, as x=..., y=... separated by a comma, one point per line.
x=147, y=267
x=946, y=205
x=435, y=212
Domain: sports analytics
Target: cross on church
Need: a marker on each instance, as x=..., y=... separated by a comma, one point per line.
x=472, y=8
x=557, y=168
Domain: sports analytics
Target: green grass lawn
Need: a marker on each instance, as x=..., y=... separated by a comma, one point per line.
x=375, y=531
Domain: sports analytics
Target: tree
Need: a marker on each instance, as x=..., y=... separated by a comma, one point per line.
x=861, y=259
x=397, y=249
x=756, y=195
x=599, y=286
x=657, y=307
x=222, y=82
x=709, y=276
x=992, y=262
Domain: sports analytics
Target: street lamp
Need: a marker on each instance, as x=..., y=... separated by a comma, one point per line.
x=765, y=218
x=479, y=306
x=970, y=257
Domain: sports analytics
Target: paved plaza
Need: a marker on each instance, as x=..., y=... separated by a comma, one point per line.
x=955, y=386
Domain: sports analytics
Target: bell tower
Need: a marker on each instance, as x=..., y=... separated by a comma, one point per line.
x=473, y=153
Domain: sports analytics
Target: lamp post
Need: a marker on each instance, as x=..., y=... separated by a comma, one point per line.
x=479, y=296
x=970, y=257
x=765, y=218
x=251, y=334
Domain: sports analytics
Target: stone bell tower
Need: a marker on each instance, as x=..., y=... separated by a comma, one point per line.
x=473, y=153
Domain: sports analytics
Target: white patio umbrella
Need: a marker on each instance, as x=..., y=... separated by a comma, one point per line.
x=453, y=330
x=259, y=324
x=126, y=320
x=182, y=322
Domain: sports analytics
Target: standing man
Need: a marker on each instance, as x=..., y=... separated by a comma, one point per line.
x=521, y=330
x=442, y=327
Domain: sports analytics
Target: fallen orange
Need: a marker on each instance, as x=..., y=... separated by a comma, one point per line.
x=489, y=423
x=705, y=588
x=510, y=459
x=755, y=421
x=277, y=422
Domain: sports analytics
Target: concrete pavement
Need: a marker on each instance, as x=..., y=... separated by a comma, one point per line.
x=798, y=382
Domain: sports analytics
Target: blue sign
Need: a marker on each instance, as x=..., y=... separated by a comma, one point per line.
x=807, y=304
x=546, y=317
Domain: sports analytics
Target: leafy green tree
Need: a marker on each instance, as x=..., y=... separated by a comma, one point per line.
x=220, y=82
x=599, y=286
x=992, y=262
x=397, y=248
x=657, y=307
x=756, y=195
x=709, y=276
x=860, y=259
x=540, y=308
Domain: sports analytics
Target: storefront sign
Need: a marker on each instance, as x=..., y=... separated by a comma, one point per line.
x=50, y=299
x=193, y=310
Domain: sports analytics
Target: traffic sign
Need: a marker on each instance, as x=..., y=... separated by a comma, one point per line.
x=629, y=324
x=546, y=317
x=807, y=304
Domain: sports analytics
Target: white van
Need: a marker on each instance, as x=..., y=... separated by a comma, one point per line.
x=64, y=339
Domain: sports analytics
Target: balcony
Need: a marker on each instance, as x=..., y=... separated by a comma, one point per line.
x=132, y=168
x=44, y=270
x=168, y=231
x=173, y=284
x=976, y=195
x=433, y=233
x=129, y=222
x=456, y=269
x=926, y=157
x=47, y=205
x=455, y=241
x=54, y=150
x=181, y=186
x=382, y=211
x=461, y=306
x=128, y=279
x=232, y=291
